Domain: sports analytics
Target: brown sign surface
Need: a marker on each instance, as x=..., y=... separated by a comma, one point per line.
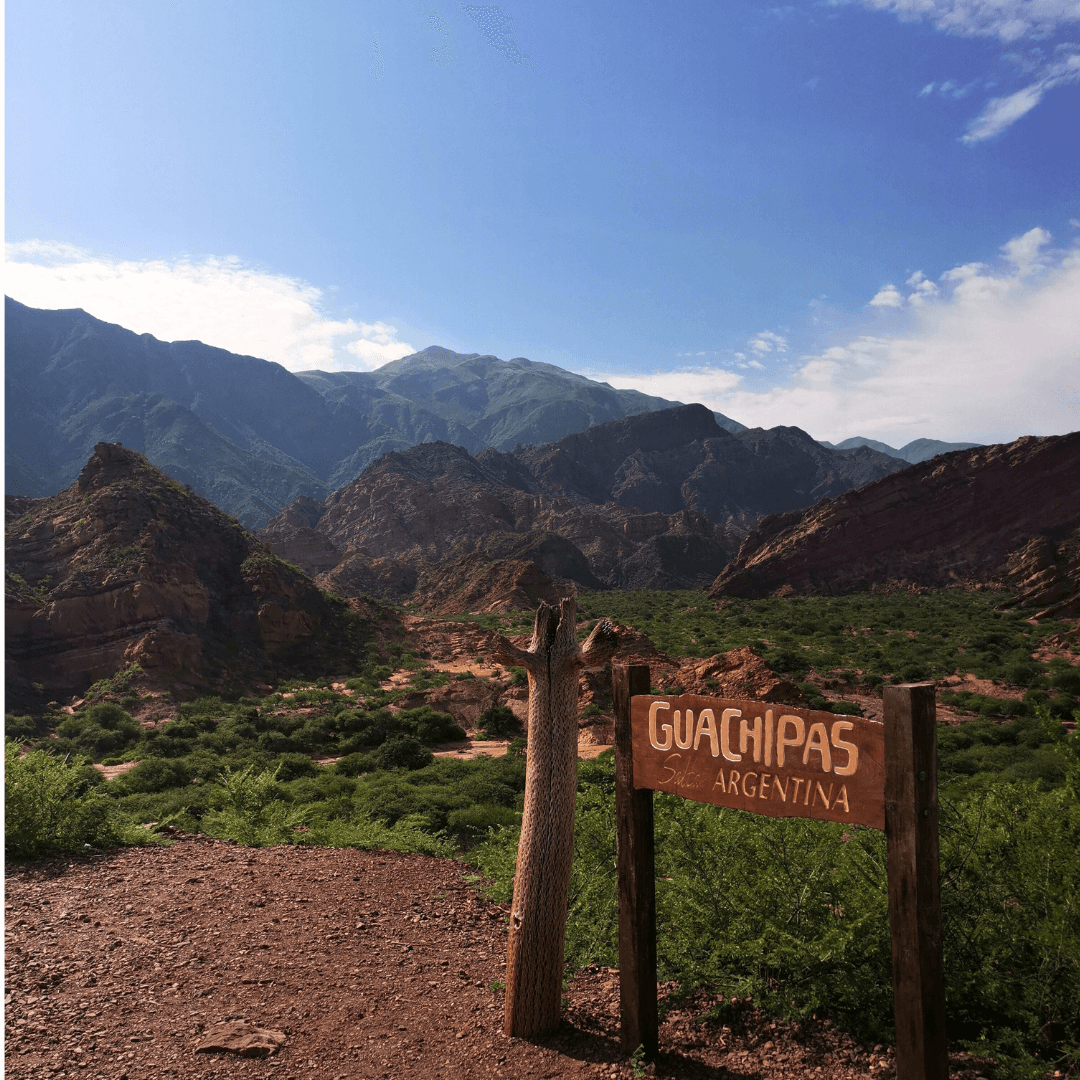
x=757, y=756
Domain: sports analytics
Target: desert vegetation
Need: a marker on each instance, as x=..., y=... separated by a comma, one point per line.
x=788, y=912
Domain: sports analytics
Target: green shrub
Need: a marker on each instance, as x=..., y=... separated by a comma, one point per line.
x=99, y=729
x=402, y=752
x=355, y=764
x=471, y=822
x=50, y=804
x=152, y=774
x=251, y=811
x=498, y=722
x=19, y=728
x=846, y=708
x=408, y=835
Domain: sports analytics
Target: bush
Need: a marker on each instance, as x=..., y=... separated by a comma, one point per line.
x=846, y=708
x=251, y=810
x=101, y=729
x=19, y=728
x=498, y=722
x=355, y=764
x=151, y=775
x=402, y=752
x=471, y=822
x=50, y=806
x=428, y=726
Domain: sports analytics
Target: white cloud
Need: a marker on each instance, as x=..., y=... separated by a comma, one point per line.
x=923, y=290
x=888, y=297
x=1001, y=113
x=766, y=341
x=219, y=300
x=1025, y=252
x=994, y=355
x=1007, y=20
x=706, y=385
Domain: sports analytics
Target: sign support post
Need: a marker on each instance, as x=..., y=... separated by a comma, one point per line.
x=911, y=830
x=851, y=770
x=636, y=877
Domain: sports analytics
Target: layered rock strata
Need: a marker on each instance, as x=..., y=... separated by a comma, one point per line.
x=952, y=520
x=128, y=566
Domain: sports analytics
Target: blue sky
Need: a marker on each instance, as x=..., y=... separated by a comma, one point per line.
x=858, y=217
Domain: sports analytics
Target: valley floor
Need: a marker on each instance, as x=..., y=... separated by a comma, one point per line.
x=374, y=964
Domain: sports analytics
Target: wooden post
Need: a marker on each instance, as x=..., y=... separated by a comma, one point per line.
x=911, y=829
x=534, y=951
x=636, y=874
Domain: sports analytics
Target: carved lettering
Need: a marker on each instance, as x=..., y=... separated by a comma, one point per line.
x=684, y=739
x=667, y=765
x=692, y=746
x=818, y=740
x=748, y=732
x=707, y=729
x=798, y=729
x=654, y=708
x=838, y=729
x=725, y=734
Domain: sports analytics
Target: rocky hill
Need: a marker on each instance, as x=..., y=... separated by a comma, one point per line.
x=653, y=501
x=127, y=566
x=1005, y=514
x=251, y=436
x=680, y=458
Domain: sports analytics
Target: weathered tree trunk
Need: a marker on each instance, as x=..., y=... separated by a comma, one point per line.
x=534, y=960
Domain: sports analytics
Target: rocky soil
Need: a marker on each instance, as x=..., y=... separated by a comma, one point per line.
x=991, y=515
x=128, y=567
x=122, y=965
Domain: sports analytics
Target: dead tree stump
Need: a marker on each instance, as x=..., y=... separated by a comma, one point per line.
x=534, y=958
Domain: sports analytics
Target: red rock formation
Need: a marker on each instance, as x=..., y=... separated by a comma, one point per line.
x=953, y=519
x=129, y=567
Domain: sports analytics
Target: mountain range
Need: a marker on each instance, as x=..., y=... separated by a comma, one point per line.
x=253, y=437
x=250, y=435
x=659, y=500
x=914, y=452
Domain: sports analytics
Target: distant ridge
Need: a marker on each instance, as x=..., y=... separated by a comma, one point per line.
x=253, y=437
x=914, y=452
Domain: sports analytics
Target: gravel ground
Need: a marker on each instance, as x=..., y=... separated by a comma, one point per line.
x=370, y=963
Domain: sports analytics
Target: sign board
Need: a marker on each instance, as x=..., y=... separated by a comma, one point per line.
x=768, y=759
x=786, y=762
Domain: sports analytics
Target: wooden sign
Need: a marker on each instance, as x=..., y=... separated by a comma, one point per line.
x=768, y=759
x=785, y=762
